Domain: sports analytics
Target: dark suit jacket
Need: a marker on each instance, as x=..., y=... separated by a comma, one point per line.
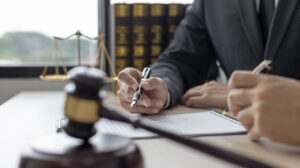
x=229, y=31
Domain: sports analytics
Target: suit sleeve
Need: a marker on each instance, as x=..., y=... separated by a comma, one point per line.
x=185, y=62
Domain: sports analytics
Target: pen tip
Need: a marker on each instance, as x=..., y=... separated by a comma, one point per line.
x=133, y=103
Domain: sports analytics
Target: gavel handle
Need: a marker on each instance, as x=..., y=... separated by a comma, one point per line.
x=199, y=146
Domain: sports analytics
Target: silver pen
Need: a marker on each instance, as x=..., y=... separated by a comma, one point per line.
x=137, y=95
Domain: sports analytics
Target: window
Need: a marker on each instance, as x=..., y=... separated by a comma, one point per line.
x=28, y=27
x=153, y=1
x=27, y=30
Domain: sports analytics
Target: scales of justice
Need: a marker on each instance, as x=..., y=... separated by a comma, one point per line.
x=78, y=146
x=101, y=52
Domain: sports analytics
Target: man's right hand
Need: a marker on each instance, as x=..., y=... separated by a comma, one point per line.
x=267, y=105
x=154, y=95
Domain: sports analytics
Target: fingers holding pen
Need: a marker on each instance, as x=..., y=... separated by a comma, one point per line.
x=147, y=102
x=139, y=108
x=151, y=83
x=246, y=117
x=242, y=79
x=144, y=101
x=157, y=90
x=125, y=95
x=254, y=134
x=153, y=93
x=238, y=99
x=129, y=78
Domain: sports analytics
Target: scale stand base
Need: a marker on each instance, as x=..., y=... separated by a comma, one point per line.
x=63, y=151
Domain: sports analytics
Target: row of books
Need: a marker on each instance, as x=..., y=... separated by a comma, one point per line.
x=143, y=31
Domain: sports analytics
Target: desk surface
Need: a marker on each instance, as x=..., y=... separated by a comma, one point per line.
x=33, y=114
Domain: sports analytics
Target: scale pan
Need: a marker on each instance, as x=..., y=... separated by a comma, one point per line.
x=112, y=79
x=54, y=77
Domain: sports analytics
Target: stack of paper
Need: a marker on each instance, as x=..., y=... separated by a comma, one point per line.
x=191, y=124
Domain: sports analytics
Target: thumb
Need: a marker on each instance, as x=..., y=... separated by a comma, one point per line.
x=151, y=83
x=145, y=100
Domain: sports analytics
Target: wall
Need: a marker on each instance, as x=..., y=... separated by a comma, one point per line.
x=11, y=87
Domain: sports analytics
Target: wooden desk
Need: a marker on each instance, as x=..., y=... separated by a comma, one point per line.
x=33, y=114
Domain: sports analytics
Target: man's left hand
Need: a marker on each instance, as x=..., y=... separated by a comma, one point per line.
x=211, y=94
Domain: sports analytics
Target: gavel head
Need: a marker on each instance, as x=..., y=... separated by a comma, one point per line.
x=83, y=101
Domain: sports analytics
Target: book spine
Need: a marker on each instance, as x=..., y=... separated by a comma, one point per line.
x=123, y=36
x=175, y=14
x=140, y=35
x=158, y=14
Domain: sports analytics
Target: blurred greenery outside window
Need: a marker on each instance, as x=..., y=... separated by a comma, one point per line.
x=27, y=30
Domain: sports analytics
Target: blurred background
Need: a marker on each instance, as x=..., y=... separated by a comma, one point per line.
x=27, y=30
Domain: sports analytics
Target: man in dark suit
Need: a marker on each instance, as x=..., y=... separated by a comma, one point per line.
x=237, y=33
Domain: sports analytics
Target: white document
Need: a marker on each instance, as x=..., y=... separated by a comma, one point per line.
x=191, y=124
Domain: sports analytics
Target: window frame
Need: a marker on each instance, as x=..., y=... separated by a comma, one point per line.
x=35, y=71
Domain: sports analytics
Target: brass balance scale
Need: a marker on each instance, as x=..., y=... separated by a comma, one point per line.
x=101, y=52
